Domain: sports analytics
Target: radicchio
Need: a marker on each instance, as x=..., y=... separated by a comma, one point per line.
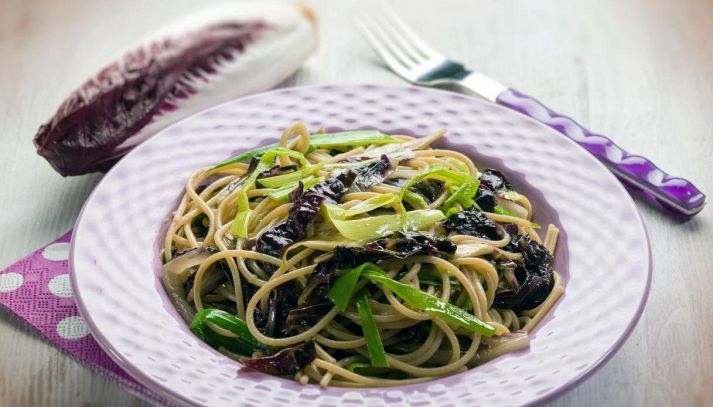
x=491, y=182
x=534, y=277
x=302, y=213
x=372, y=174
x=530, y=279
x=276, y=170
x=282, y=299
x=213, y=55
x=306, y=204
x=288, y=361
x=473, y=223
x=125, y=96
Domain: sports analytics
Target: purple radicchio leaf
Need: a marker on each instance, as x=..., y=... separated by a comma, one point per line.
x=473, y=223
x=286, y=362
x=491, y=182
x=277, y=170
x=372, y=174
x=259, y=317
x=211, y=56
x=282, y=300
x=534, y=274
x=494, y=180
x=303, y=212
x=320, y=280
x=306, y=204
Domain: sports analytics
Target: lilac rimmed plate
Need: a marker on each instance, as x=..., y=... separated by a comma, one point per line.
x=603, y=252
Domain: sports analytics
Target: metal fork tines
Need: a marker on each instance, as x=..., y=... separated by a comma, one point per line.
x=415, y=61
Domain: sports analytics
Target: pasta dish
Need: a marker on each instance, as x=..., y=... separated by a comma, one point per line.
x=358, y=259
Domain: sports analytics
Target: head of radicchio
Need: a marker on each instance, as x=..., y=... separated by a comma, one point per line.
x=209, y=57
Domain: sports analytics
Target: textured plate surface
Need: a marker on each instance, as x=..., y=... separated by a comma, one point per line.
x=603, y=252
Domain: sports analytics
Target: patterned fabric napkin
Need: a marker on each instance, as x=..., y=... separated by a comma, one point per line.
x=37, y=290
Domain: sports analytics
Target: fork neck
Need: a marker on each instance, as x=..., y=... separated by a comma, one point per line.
x=481, y=85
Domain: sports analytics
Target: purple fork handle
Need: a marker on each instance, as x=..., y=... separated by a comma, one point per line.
x=678, y=193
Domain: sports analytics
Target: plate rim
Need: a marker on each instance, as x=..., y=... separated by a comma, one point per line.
x=176, y=397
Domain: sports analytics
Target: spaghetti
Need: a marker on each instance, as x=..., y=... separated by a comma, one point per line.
x=358, y=259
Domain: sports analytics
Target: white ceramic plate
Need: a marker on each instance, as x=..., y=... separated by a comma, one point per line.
x=603, y=252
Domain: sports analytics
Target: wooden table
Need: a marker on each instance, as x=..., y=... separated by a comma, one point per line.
x=639, y=70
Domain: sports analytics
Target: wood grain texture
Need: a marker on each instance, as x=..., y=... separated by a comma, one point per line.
x=640, y=71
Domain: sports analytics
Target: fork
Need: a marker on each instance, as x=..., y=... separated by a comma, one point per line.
x=415, y=61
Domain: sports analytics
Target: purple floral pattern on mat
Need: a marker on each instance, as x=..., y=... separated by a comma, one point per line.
x=37, y=290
